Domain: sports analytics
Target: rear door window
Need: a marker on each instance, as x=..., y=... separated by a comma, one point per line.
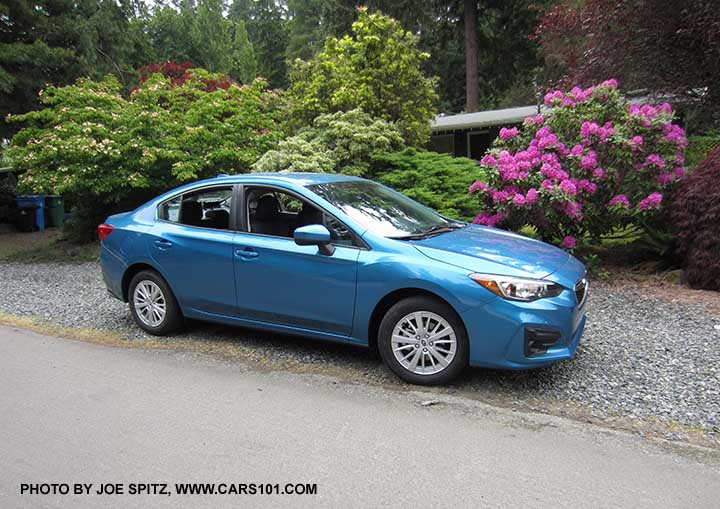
x=205, y=208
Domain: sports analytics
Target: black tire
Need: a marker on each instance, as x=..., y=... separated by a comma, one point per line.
x=173, y=318
x=428, y=304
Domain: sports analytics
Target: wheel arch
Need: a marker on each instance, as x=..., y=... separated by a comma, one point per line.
x=392, y=298
x=130, y=273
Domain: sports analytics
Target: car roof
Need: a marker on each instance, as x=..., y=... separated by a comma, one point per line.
x=302, y=179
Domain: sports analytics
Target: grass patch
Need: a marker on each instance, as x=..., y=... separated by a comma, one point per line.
x=45, y=247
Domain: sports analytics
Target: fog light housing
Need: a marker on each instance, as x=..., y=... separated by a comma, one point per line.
x=539, y=340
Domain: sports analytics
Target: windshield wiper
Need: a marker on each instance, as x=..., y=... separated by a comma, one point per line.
x=431, y=231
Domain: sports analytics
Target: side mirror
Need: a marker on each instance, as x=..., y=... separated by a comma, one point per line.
x=314, y=235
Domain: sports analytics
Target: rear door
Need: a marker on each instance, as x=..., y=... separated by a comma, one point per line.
x=192, y=242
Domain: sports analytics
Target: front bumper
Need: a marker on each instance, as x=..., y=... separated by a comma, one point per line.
x=501, y=332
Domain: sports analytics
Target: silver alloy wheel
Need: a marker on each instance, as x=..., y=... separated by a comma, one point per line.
x=424, y=343
x=149, y=303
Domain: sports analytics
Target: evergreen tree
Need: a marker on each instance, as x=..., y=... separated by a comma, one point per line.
x=266, y=25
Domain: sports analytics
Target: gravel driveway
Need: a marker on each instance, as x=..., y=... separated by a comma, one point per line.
x=640, y=356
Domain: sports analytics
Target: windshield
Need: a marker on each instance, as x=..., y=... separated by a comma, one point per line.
x=381, y=210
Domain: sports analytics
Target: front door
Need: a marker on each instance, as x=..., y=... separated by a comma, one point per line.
x=280, y=282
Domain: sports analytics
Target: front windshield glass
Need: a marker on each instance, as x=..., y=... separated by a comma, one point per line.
x=380, y=210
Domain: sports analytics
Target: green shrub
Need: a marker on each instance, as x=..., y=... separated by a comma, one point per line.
x=438, y=181
x=595, y=163
x=101, y=150
x=379, y=67
x=700, y=146
x=343, y=142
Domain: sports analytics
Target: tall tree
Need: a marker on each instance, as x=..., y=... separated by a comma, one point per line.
x=266, y=25
x=243, y=65
x=198, y=31
x=377, y=68
x=470, y=13
x=211, y=37
x=57, y=41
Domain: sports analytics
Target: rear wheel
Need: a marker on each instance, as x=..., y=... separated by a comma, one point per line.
x=423, y=341
x=153, y=305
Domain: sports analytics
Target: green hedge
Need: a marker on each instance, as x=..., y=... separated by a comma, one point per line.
x=438, y=181
x=699, y=147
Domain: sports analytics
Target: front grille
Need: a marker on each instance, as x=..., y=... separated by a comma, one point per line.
x=581, y=288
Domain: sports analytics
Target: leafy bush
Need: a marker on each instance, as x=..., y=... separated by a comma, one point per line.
x=695, y=215
x=595, y=163
x=436, y=180
x=378, y=68
x=343, y=142
x=700, y=146
x=103, y=151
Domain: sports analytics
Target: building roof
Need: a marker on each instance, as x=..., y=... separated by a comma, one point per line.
x=483, y=118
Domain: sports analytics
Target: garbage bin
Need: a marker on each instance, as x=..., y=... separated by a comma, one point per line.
x=36, y=202
x=26, y=219
x=54, y=210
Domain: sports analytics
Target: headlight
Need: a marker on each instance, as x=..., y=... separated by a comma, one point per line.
x=513, y=288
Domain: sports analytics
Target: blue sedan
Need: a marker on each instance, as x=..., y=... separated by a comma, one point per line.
x=346, y=259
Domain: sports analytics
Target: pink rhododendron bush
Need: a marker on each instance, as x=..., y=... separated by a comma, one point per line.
x=593, y=163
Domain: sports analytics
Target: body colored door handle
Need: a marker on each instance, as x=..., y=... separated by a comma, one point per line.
x=163, y=244
x=246, y=253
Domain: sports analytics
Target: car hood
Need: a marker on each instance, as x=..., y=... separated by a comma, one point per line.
x=494, y=251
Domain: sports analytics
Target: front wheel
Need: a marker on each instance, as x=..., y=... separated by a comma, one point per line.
x=423, y=341
x=153, y=305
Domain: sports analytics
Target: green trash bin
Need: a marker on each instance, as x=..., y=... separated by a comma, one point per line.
x=54, y=210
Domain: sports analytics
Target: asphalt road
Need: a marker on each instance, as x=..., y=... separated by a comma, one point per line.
x=72, y=412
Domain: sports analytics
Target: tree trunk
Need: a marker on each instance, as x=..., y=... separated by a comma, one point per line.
x=471, y=56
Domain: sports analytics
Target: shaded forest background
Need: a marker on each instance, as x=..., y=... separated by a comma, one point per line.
x=58, y=41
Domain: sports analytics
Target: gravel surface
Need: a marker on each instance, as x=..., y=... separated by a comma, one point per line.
x=640, y=356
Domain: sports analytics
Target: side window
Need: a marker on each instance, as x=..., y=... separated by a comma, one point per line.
x=274, y=212
x=206, y=208
x=170, y=210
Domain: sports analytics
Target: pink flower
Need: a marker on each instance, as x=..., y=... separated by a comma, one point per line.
x=499, y=196
x=537, y=119
x=679, y=172
x=573, y=210
x=548, y=141
x=569, y=242
x=477, y=187
x=611, y=83
x=666, y=178
x=652, y=201
x=553, y=98
x=674, y=134
x=518, y=200
x=665, y=108
x=531, y=196
x=620, y=201
x=487, y=219
x=598, y=173
x=587, y=186
x=577, y=151
x=488, y=160
x=637, y=141
x=589, y=161
x=655, y=160
x=508, y=134
x=568, y=187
